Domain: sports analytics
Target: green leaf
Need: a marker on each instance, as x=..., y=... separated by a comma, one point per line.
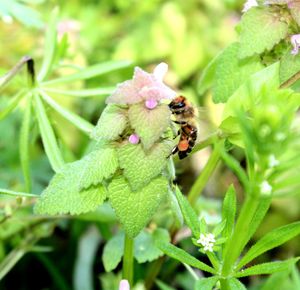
x=90, y=72
x=25, y=14
x=208, y=75
x=145, y=249
x=11, y=105
x=163, y=286
x=250, y=93
x=289, y=66
x=96, y=166
x=50, y=46
x=261, y=211
x=24, y=144
x=135, y=209
x=268, y=268
x=276, y=281
x=111, y=124
x=82, y=93
x=260, y=30
x=229, y=211
x=113, y=252
x=62, y=196
x=48, y=137
x=184, y=257
x=149, y=124
x=296, y=277
x=140, y=167
x=232, y=72
x=271, y=240
x=76, y=120
x=189, y=215
x=206, y=283
x=235, y=284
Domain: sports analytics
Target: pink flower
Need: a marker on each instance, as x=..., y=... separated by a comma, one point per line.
x=143, y=86
x=295, y=40
x=249, y=4
x=124, y=285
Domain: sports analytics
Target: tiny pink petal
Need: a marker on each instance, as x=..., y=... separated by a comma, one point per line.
x=134, y=139
x=151, y=104
x=160, y=71
x=295, y=41
x=124, y=285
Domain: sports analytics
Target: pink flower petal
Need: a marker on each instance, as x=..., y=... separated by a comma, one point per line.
x=142, y=87
x=124, y=285
x=160, y=71
x=151, y=104
x=134, y=139
x=295, y=41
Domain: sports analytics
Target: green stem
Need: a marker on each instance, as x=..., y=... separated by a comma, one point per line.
x=4, y=80
x=128, y=260
x=206, y=173
x=224, y=284
x=240, y=234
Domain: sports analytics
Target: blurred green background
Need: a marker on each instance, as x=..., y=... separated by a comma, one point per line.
x=186, y=35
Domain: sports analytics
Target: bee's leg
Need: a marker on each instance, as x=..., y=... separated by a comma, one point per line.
x=180, y=122
x=182, y=154
x=176, y=135
x=174, y=151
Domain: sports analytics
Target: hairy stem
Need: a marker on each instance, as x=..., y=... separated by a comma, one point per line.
x=290, y=81
x=240, y=234
x=206, y=173
x=128, y=260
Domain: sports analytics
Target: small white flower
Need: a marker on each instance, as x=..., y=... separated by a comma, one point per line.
x=265, y=188
x=249, y=4
x=273, y=162
x=207, y=241
x=295, y=40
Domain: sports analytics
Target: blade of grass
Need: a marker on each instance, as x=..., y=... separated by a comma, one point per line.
x=49, y=141
x=24, y=144
x=16, y=193
x=82, y=93
x=12, y=104
x=50, y=46
x=91, y=71
x=79, y=122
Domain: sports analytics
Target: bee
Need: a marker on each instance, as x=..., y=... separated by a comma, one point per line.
x=185, y=115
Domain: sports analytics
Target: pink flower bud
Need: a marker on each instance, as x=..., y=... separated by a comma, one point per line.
x=124, y=285
x=134, y=139
x=151, y=104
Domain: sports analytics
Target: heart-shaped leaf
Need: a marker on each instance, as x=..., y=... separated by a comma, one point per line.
x=111, y=124
x=135, y=209
x=98, y=165
x=149, y=124
x=63, y=196
x=139, y=167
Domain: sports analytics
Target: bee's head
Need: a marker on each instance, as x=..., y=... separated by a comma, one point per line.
x=178, y=102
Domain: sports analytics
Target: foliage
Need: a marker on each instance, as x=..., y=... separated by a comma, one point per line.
x=119, y=171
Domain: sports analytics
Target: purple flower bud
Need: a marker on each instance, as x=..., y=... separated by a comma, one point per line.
x=151, y=104
x=295, y=40
x=134, y=139
x=124, y=285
